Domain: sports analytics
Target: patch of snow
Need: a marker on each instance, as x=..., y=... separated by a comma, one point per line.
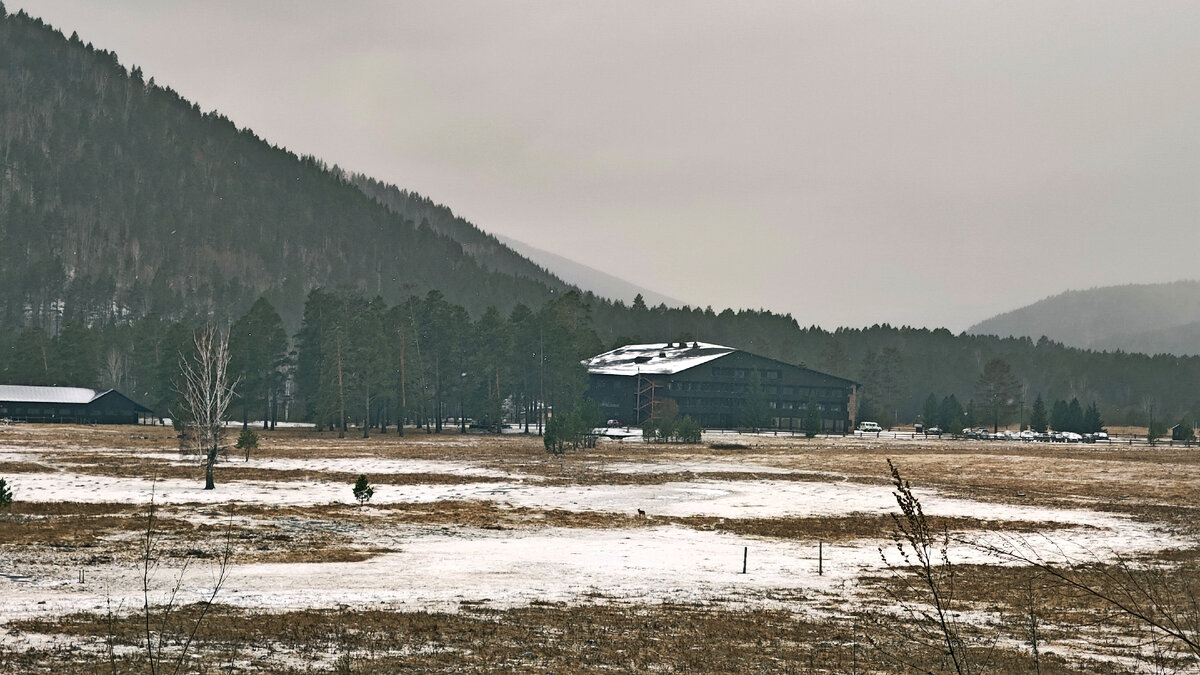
x=39, y=487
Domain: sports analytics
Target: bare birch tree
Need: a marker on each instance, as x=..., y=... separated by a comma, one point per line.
x=207, y=392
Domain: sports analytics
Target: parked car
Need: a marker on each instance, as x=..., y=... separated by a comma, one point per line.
x=933, y=431
x=1028, y=435
x=869, y=427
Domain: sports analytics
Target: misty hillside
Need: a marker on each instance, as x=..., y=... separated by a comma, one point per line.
x=491, y=251
x=120, y=198
x=1147, y=318
x=584, y=276
x=502, y=253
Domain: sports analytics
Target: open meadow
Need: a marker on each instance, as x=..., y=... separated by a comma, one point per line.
x=746, y=553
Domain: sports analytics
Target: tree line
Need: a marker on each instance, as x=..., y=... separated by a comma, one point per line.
x=355, y=361
x=359, y=359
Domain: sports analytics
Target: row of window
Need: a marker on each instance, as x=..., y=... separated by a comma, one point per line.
x=743, y=373
x=734, y=388
x=785, y=423
x=798, y=405
x=685, y=402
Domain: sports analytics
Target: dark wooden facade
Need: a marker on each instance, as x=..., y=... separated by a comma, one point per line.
x=110, y=407
x=715, y=392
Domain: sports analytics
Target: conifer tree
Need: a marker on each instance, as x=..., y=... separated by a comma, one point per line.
x=998, y=391
x=812, y=419
x=929, y=414
x=363, y=490
x=1060, y=418
x=755, y=413
x=1092, y=421
x=1037, y=416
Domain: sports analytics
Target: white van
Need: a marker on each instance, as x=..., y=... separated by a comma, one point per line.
x=869, y=427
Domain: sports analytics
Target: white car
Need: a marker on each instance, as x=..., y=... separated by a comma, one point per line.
x=869, y=427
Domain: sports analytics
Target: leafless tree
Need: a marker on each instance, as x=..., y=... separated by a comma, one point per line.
x=207, y=392
x=114, y=368
x=157, y=650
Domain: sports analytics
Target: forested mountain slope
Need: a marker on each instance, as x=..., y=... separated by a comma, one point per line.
x=128, y=216
x=501, y=253
x=119, y=198
x=1148, y=318
x=484, y=247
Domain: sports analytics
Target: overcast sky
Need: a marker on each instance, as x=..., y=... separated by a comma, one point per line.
x=851, y=163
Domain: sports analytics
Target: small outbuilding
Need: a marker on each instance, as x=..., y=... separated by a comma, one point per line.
x=69, y=404
x=712, y=384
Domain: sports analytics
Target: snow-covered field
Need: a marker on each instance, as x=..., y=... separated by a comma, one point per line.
x=438, y=568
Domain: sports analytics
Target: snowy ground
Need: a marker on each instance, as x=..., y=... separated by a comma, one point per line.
x=439, y=568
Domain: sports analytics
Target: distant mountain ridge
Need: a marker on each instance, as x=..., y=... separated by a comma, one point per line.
x=578, y=274
x=1146, y=318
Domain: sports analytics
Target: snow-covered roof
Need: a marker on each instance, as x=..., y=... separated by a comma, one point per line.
x=28, y=394
x=660, y=358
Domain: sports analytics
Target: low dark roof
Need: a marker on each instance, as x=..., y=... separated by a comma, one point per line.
x=20, y=393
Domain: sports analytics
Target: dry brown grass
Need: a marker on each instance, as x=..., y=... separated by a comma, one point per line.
x=73, y=524
x=1067, y=615
x=600, y=637
x=100, y=534
x=23, y=467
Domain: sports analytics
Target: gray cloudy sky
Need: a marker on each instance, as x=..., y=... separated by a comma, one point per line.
x=851, y=163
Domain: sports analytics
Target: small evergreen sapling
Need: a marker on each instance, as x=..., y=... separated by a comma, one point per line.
x=363, y=490
x=5, y=494
x=812, y=420
x=247, y=441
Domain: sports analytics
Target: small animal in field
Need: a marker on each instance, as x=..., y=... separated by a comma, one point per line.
x=641, y=513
